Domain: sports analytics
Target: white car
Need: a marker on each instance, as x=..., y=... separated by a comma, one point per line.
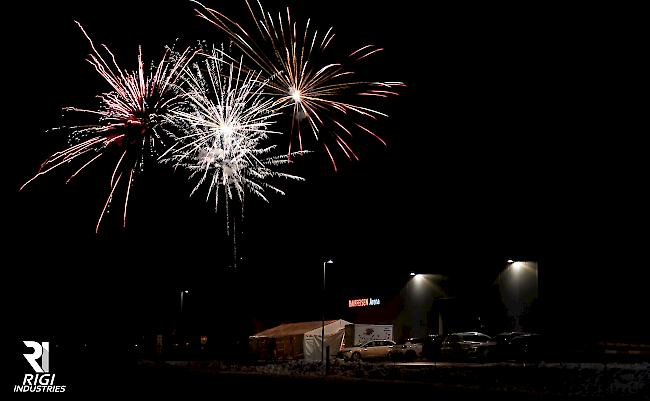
x=412, y=348
x=369, y=350
x=419, y=347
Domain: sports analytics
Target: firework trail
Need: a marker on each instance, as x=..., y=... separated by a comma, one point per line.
x=225, y=130
x=131, y=119
x=299, y=80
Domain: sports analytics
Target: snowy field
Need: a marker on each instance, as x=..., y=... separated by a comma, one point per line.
x=574, y=380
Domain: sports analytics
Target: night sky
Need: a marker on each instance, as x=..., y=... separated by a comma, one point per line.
x=517, y=137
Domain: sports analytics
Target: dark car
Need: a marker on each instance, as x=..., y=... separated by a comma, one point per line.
x=527, y=347
x=431, y=346
x=515, y=346
x=466, y=345
x=499, y=347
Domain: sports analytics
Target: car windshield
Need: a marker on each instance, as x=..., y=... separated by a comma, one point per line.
x=454, y=338
x=481, y=338
x=502, y=338
x=525, y=337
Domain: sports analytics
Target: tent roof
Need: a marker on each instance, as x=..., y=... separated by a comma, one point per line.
x=332, y=327
x=290, y=329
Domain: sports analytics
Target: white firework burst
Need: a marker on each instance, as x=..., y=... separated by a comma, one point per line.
x=225, y=131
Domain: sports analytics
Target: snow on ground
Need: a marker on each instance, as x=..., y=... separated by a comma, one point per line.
x=582, y=380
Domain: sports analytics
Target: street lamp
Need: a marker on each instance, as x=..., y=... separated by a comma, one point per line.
x=183, y=292
x=322, y=333
x=421, y=293
x=519, y=273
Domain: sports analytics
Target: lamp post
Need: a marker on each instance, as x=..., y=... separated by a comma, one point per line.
x=520, y=274
x=422, y=293
x=183, y=292
x=322, y=333
x=516, y=268
x=179, y=329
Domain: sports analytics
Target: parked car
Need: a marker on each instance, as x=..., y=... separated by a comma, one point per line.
x=514, y=345
x=419, y=347
x=431, y=347
x=466, y=345
x=529, y=346
x=499, y=347
x=369, y=350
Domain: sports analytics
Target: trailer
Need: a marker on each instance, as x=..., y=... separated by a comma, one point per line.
x=357, y=334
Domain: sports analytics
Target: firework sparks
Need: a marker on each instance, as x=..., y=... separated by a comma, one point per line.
x=225, y=131
x=131, y=118
x=300, y=82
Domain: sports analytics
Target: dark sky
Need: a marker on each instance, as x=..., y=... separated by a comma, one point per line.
x=517, y=137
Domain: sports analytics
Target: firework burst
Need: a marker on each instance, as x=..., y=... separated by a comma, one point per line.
x=225, y=131
x=299, y=81
x=131, y=120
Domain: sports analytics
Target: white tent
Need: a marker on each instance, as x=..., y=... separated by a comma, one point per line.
x=298, y=340
x=334, y=330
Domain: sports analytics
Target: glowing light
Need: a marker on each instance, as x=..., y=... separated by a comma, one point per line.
x=227, y=129
x=354, y=303
x=295, y=95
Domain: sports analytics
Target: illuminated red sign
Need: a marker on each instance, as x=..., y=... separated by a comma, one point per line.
x=353, y=303
x=357, y=302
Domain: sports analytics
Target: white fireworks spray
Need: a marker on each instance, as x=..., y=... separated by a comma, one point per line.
x=224, y=132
